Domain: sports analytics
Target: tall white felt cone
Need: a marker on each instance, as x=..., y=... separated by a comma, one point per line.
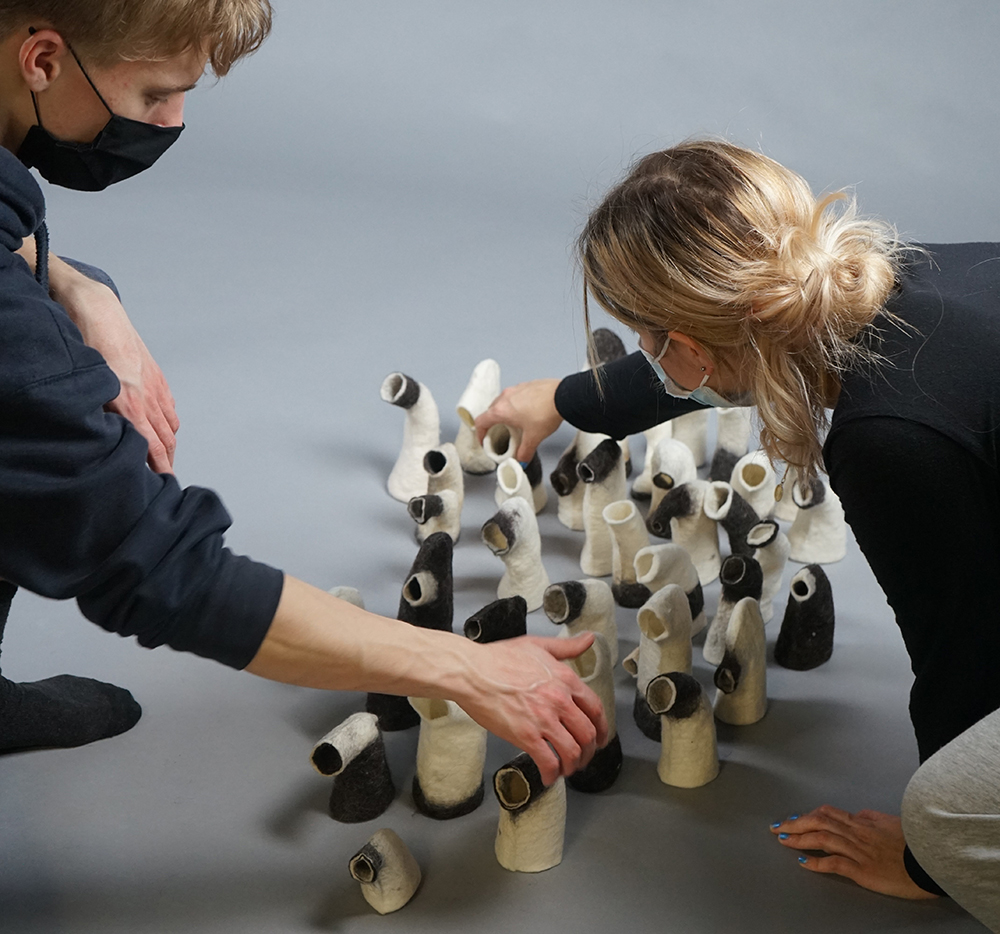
x=689, y=755
x=501, y=442
x=583, y=606
x=444, y=471
x=732, y=438
x=451, y=754
x=436, y=512
x=741, y=577
x=681, y=516
x=512, y=535
x=673, y=464
x=659, y=565
x=753, y=478
x=349, y=595
x=819, y=534
x=483, y=388
x=513, y=480
x=421, y=432
x=532, y=817
x=771, y=550
x=785, y=508
x=628, y=535
x=692, y=430
x=741, y=679
x=664, y=635
x=603, y=474
x=642, y=486
x=387, y=871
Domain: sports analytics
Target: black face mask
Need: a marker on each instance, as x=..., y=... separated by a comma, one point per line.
x=122, y=149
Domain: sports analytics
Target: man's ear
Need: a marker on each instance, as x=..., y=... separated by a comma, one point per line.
x=42, y=57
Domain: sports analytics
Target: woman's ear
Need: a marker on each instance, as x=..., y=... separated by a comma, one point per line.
x=41, y=58
x=690, y=352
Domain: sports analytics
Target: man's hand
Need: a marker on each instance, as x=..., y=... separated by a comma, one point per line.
x=145, y=398
x=866, y=847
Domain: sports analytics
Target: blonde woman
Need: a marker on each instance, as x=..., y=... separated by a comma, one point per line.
x=743, y=288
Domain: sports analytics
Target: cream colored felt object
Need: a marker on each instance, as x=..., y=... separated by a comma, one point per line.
x=732, y=429
x=387, y=871
x=532, y=824
x=603, y=474
x=349, y=595
x=345, y=742
x=753, y=478
x=566, y=481
x=596, y=669
x=741, y=679
x=513, y=481
x=692, y=429
x=673, y=464
x=451, y=754
x=659, y=565
x=689, y=755
x=444, y=472
x=421, y=432
x=690, y=527
x=642, y=486
x=628, y=535
x=771, y=550
x=583, y=606
x=501, y=442
x=741, y=577
x=819, y=533
x=436, y=512
x=483, y=388
x=512, y=535
x=664, y=636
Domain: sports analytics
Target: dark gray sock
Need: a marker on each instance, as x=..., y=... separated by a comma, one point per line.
x=61, y=711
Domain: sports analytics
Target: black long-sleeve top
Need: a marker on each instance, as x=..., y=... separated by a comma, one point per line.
x=81, y=515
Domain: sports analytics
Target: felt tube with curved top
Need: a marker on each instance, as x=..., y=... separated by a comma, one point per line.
x=692, y=429
x=771, y=551
x=642, y=486
x=741, y=678
x=482, y=389
x=819, y=534
x=628, y=535
x=354, y=753
x=681, y=516
x=596, y=670
x=501, y=619
x=387, y=871
x=421, y=432
x=753, y=478
x=583, y=606
x=733, y=513
x=673, y=464
x=603, y=474
x=512, y=535
x=501, y=442
x=806, y=637
x=436, y=512
x=732, y=437
x=451, y=754
x=513, y=480
x=566, y=481
x=532, y=824
x=741, y=577
x=444, y=472
x=659, y=565
x=689, y=756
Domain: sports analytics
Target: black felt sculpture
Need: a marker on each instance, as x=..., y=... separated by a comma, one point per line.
x=806, y=637
x=739, y=520
x=565, y=478
x=502, y=619
x=677, y=504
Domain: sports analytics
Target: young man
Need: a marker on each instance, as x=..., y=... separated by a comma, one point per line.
x=93, y=92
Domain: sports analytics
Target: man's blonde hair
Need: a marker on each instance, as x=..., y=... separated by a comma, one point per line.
x=111, y=31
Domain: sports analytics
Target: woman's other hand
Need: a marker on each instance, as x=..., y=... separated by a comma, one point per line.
x=531, y=407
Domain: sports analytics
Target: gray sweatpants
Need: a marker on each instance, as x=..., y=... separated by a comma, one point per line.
x=951, y=819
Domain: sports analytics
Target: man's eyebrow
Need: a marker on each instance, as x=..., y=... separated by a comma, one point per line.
x=172, y=89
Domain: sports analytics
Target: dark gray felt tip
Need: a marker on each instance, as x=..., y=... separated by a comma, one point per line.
x=602, y=771
x=599, y=463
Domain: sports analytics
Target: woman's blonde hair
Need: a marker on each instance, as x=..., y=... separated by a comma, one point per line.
x=111, y=31
x=732, y=249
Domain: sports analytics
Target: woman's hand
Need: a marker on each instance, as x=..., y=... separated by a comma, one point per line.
x=866, y=847
x=531, y=407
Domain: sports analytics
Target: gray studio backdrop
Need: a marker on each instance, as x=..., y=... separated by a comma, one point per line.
x=397, y=185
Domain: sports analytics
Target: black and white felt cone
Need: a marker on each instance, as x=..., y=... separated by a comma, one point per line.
x=387, y=871
x=502, y=619
x=806, y=637
x=532, y=824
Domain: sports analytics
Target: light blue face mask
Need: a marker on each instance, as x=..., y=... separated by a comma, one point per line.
x=701, y=393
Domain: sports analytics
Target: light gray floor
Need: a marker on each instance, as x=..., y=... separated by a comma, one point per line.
x=396, y=186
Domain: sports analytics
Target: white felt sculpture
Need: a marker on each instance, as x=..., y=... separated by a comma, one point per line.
x=628, y=535
x=513, y=481
x=349, y=595
x=566, y=481
x=732, y=512
x=741, y=679
x=642, y=486
x=740, y=577
x=421, y=432
x=673, y=464
x=819, y=534
x=532, y=824
x=436, y=512
x=771, y=550
x=512, y=535
x=603, y=474
x=753, y=478
x=483, y=388
x=451, y=754
x=785, y=508
x=659, y=565
x=387, y=871
x=583, y=606
x=681, y=516
x=689, y=754
x=692, y=430
x=501, y=442
x=444, y=472
x=732, y=437
x=664, y=635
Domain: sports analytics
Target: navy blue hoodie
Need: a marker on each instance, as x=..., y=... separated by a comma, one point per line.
x=81, y=515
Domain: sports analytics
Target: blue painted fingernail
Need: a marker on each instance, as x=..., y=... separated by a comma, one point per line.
x=782, y=836
x=794, y=817
x=776, y=824
x=524, y=464
x=802, y=859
